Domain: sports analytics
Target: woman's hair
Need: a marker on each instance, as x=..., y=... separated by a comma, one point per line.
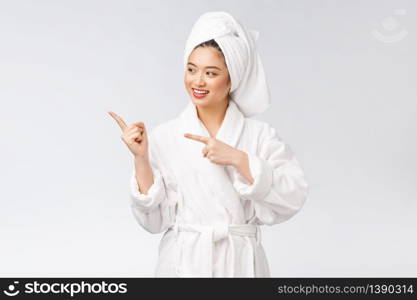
x=210, y=43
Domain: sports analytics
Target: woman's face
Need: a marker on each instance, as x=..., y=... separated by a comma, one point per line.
x=207, y=72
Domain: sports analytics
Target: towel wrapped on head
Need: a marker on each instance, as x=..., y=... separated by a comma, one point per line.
x=249, y=89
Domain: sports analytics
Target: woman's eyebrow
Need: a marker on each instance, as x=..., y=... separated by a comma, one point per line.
x=207, y=67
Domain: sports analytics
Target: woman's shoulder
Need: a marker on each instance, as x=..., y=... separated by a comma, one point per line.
x=260, y=128
x=164, y=127
x=163, y=131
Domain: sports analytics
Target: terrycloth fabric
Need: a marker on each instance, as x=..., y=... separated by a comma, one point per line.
x=210, y=215
x=249, y=87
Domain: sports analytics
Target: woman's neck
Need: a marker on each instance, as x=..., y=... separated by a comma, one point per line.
x=212, y=117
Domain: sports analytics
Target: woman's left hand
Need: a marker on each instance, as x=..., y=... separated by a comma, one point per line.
x=218, y=152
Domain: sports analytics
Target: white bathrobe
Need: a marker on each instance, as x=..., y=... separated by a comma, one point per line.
x=210, y=214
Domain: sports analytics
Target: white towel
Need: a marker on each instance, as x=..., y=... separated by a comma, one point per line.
x=249, y=88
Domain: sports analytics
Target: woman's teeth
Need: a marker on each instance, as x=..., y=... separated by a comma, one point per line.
x=200, y=91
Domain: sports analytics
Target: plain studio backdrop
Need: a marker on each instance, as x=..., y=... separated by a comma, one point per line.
x=342, y=76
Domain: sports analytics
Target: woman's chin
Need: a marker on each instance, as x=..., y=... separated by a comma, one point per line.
x=200, y=102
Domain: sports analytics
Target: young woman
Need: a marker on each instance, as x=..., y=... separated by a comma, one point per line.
x=210, y=177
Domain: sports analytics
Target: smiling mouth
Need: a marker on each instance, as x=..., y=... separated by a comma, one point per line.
x=200, y=92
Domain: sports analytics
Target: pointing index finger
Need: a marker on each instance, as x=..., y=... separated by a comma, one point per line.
x=198, y=138
x=119, y=120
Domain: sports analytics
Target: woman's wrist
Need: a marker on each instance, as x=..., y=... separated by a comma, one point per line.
x=141, y=159
x=239, y=159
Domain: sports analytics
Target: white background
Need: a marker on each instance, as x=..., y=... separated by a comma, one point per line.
x=344, y=99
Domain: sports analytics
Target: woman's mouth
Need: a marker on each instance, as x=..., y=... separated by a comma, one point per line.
x=200, y=93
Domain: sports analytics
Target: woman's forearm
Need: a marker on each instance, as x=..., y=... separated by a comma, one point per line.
x=144, y=174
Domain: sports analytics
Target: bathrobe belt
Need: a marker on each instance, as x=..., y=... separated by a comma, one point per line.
x=209, y=234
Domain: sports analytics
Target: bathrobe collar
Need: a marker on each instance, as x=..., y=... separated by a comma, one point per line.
x=229, y=131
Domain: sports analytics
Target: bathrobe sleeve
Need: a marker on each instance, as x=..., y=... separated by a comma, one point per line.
x=279, y=189
x=154, y=211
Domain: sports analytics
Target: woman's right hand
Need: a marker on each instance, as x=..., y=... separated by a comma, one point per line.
x=134, y=136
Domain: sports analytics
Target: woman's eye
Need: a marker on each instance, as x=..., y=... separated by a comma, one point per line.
x=190, y=70
x=211, y=73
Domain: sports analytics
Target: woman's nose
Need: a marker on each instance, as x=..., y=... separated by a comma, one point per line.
x=199, y=80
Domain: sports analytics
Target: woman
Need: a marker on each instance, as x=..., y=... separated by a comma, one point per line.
x=210, y=177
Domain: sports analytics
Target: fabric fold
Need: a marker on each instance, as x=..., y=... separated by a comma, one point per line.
x=205, y=244
x=155, y=195
x=261, y=172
